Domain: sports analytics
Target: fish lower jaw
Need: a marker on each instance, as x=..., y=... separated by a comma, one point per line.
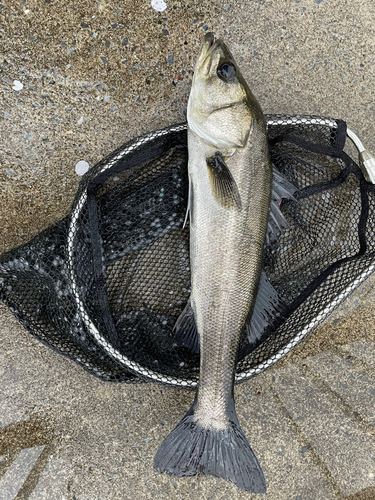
x=216, y=422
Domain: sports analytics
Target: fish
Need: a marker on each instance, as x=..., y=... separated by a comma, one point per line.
x=230, y=192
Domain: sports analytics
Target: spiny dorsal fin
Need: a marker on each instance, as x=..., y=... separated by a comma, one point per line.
x=281, y=189
x=223, y=186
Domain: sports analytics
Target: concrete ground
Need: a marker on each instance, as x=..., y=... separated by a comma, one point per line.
x=94, y=75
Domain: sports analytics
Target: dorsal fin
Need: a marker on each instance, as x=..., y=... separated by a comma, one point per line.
x=268, y=305
x=281, y=189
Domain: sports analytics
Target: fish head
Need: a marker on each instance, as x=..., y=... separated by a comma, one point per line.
x=221, y=109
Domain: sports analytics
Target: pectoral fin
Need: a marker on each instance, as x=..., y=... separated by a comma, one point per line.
x=223, y=186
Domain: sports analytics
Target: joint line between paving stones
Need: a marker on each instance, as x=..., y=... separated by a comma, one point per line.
x=350, y=412
x=303, y=439
x=361, y=364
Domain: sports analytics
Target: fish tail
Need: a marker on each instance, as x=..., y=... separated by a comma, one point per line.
x=192, y=449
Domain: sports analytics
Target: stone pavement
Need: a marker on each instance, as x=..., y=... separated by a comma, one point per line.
x=67, y=435
x=94, y=75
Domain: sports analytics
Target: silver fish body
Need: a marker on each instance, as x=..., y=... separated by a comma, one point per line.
x=230, y=177
x=226, y=247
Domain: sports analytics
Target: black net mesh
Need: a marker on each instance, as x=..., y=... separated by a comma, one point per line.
x=105, y=285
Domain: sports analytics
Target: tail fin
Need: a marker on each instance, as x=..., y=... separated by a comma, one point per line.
x=191, y=449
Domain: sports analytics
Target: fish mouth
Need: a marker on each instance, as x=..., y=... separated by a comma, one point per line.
x=209, y=40
x=208, y=55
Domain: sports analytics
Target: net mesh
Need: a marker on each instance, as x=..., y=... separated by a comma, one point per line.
x=105, y=285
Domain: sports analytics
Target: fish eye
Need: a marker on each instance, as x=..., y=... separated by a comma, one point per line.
x=227, y=71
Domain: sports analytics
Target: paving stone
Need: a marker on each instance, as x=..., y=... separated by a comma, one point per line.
x=15, y=476
x=53, y=483
x=343, y=376
x=362, y=350
x=336, y=438
x=291, y=470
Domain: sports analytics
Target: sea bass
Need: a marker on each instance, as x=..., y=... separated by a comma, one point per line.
x=230, y=183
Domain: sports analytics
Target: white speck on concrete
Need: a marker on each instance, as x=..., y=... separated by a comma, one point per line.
x=82, y=167
x=106, y=98
x=80, y=121
x=158, y=5
x=17, y=85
